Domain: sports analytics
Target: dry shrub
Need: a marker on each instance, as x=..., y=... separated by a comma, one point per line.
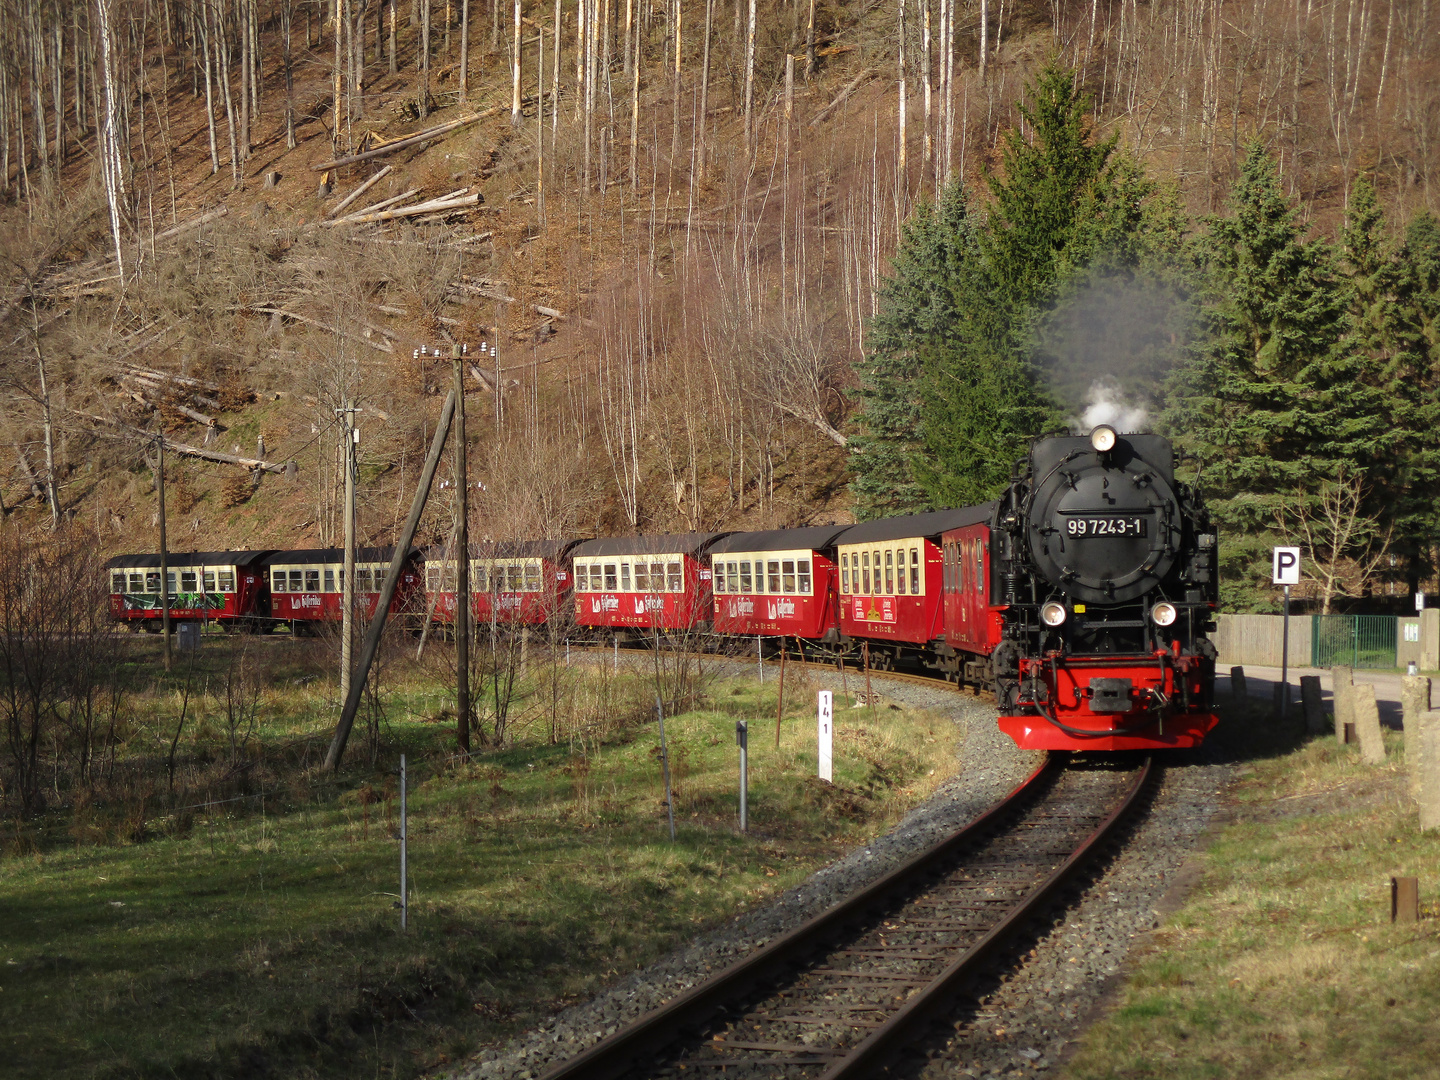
x=236, y=491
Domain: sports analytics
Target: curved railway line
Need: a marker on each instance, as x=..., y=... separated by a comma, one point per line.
x=849, y=990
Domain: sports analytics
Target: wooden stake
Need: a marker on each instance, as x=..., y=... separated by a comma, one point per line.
x=780, y=708
x=869, y=695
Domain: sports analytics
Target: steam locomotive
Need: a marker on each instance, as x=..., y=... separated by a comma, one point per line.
x=1082, y=597
x=1107, y=591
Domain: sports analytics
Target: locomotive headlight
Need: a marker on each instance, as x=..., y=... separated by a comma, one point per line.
x=1053, y=614
x=1103, y=438
x=1163, y=613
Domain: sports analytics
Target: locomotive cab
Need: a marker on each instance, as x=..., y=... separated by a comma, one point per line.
x=1108, y=572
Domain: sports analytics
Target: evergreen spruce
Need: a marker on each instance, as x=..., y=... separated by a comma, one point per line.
x=1393, y=355
x=917, y=309
x=1271, y=404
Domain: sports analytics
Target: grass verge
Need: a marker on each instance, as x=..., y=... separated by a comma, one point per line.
x=1283, y=962
x=258, y=938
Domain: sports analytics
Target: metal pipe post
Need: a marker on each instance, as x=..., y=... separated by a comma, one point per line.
x=742, y=736
x=404, y=853
x=1285, y=660
x=665, y=767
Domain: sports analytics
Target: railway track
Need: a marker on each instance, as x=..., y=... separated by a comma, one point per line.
x=848, y=991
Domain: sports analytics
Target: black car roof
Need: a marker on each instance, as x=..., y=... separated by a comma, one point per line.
x=686, y=543
x=187, y=558
x=552, y=550
x=332, y=555
x=902, y=528
x=812, y=537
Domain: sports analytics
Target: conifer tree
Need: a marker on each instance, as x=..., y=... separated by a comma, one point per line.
x=917, y=309
x=1270, y=404
x=1393, y=354
x=952, y=392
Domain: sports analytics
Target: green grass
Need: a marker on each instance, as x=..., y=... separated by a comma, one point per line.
x=259, y=937
x=1283, y=962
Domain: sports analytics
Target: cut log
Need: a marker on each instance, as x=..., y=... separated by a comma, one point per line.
x=548, y=312
x=382, y=345
x=409, y=211
x=166, y=376
x=839, y=99
x=366, y=186
x=29, y=473
x=192, y=223
x=185, y=448
x=384, y=203
x=411, y=140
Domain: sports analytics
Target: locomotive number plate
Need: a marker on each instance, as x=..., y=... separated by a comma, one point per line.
x=1104, y=525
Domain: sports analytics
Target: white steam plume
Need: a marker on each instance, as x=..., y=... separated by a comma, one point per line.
x=1105, y=404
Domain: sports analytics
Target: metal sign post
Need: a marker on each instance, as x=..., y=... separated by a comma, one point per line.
x=826, y=734
x=1285, y=571
x=665, y=766
x=404, y=853
x=742, y=736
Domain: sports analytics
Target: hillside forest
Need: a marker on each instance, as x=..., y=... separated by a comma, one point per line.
x=718, y=265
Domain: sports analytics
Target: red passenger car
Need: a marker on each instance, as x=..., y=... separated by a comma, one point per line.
x=511, y=581
x=227, y=587
x=973, y=621
x=307, y=587
x=644, y=582
x=779, y=583
x=890, y=582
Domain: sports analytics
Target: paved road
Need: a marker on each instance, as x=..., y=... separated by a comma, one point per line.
x=1261, y=681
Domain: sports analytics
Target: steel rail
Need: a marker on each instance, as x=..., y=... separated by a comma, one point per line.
x=924, y=1007
x=639, y=1041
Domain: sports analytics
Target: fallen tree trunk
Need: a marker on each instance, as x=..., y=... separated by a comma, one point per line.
x=192, y=223
x=410, y=140
x=366, y=186
x=381, y=346
x=185, y=448
x=850, y=87
x=410, y=211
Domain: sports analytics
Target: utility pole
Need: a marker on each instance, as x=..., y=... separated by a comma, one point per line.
x=347, y=578
x=462, y=577
x=164, y=555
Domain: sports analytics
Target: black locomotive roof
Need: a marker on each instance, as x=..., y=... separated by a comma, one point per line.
x=686, y=543
x=551, y=550
x=902, y=528
x=332, y=555
x=188, y=558
x=813, y=537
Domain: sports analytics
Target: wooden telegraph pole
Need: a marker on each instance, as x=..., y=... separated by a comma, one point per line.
x=164, y=554
x=462, y=577
x=347, y=584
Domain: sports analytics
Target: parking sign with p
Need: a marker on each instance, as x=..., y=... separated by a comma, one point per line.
x=1285, y=566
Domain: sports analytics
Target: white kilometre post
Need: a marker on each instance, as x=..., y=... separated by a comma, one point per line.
x=826, y=735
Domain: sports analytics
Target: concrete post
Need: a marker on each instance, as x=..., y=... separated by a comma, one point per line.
x=1430, y=639
x=1342, y=684
x=1367, y=725
x=1415, y=703
x=1429, y=770
x=1313, y=697
x=1239, y=693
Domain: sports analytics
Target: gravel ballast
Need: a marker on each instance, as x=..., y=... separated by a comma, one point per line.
x=1027, y=1016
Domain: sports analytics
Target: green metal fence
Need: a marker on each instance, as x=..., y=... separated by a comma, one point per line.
x=1362, y=641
